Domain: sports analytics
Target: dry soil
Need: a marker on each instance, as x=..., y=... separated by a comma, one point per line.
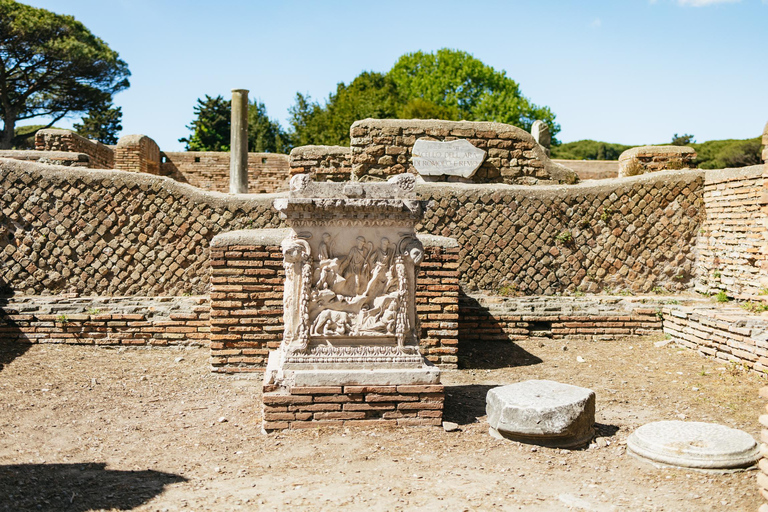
x=89, y=428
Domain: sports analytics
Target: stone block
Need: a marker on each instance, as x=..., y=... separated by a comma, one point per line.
x=542, y=412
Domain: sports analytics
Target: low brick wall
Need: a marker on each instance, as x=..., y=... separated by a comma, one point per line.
x=247, y=301
x=155, y=321
x=383, y=147
x=486, y=318
x=99, y=155
x=353, y=406
x=643, y=159
x=209, y=170
x=725, y=333
x=322, y=163
x=137, y=153
x=732, y=236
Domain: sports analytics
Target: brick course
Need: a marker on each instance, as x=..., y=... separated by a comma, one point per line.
x=150, y=321
x=322, y=163
x=732, y=237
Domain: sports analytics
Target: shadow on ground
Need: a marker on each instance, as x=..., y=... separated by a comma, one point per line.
x=12, y=340
x=78, y=487
x=464, y=404
x=495, y=354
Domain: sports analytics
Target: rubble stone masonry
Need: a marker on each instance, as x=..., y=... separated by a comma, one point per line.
x=322, y=163
x=99, y=155
x=383, y=147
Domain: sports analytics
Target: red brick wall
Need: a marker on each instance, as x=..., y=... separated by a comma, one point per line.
x=137, y=153
x=156, y=321
x=209, y=170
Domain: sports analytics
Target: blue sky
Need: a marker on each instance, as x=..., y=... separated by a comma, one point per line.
x=628, y=71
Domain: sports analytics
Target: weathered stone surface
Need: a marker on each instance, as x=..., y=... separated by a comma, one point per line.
x=643, y=159
x=694, y=445
x=542, y=412
x=452, y=158
x=540, y=132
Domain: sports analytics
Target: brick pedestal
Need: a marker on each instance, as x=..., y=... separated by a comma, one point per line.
x=352, y=405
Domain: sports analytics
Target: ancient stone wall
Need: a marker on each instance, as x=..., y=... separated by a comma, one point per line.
x=104, y=232
x=155, y=321
x=487, y=318
x=116, y=233
x=48, y=157
x=731, y=237
x=635, y=234
x=643, y=159
x=384, y=147
x=100, y=156
x=209, y=170
x=725, y=333
x=322, y=163
x=137, y=153
x=247, y=301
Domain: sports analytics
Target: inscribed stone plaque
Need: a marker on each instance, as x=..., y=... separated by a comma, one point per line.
x=454, y=158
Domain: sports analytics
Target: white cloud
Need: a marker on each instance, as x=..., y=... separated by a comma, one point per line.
x=703, y=3
x=597, y=22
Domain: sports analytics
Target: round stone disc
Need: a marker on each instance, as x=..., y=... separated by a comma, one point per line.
x=691, y=444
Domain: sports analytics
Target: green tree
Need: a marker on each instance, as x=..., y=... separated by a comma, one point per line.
x=477, y=92
x=682, y=140
x=447, y=84
x=265, y=135
x=210, y=128
x=589, y=150
x=721, y=154
x=51, y=65
x=369, y=95
x=102, y=124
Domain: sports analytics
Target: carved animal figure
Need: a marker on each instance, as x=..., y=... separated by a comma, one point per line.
x=332, y=323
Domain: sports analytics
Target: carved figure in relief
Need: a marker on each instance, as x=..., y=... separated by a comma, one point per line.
x=380, y=265
x=381, y=319
x=324, y=252
x=330, y=322
x=354, y=266
x=296, y=292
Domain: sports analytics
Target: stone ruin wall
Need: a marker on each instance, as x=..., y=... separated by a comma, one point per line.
x=137, y=153
x=322, y=163
x=113, y=233
x=383, y=147
x=643, y=159
x=209, y=170
x=100, y=156
x=105, y=232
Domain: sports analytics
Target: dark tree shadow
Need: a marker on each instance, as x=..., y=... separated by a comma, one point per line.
x=603, y=430
x=464, y=404
x=78, y=487
x=482, y=341
x=13, y=342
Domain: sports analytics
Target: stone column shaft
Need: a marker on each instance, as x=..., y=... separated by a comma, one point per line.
x=238, y=143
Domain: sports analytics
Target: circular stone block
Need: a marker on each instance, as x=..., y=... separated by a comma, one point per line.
x=692, y=444
x=542, y=412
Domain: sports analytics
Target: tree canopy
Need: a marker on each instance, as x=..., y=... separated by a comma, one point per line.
x=51, y=65
x=102, y=123
x=447, y=84
x=211, y=128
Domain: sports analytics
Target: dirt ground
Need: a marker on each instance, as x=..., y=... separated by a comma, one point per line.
x=88, y=428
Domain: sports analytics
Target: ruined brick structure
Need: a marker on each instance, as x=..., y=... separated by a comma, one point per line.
x=383, y=148
x=322, y=163
x=99, y=155
x=643, y=159
x=209, y=170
